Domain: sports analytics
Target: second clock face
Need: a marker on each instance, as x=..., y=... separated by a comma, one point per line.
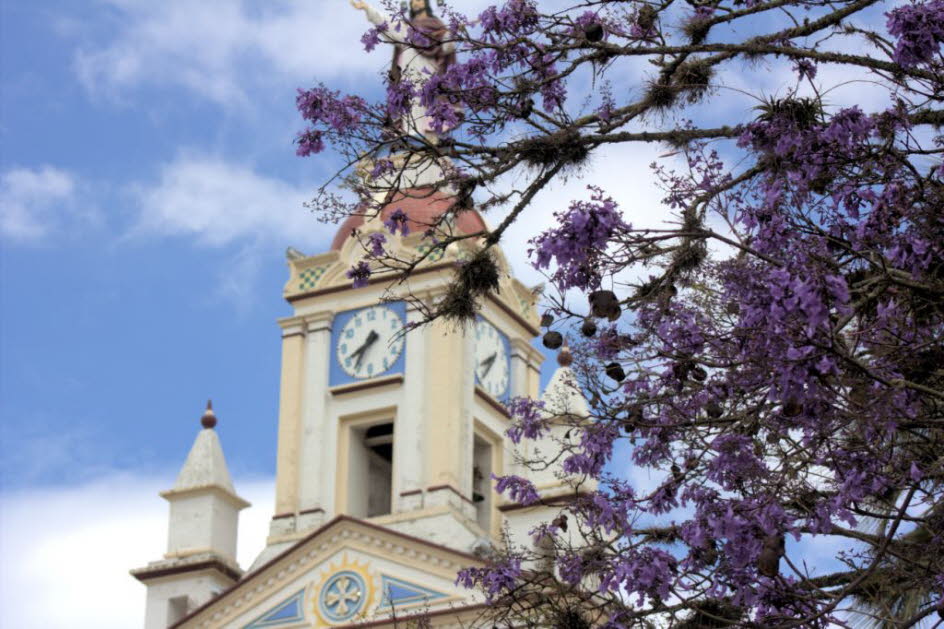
x=370, y=342
x=491, y=359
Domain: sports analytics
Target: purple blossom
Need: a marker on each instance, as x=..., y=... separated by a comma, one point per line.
x=360, y=273
x=375, y=244
x=398, y=222
x=371, y=38
x=527, y=415
x=577, y=245
x=919, y=28
x=519, y=489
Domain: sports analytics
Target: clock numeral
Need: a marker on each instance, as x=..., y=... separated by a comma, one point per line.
x=371, y=315
x=349, y=334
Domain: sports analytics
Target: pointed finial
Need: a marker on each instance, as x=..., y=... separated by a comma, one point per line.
x=209, y=418
x=564, y=357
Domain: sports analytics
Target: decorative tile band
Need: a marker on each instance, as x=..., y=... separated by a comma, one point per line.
x=308, y=278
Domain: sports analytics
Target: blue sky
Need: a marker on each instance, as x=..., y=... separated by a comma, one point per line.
x=148, y=189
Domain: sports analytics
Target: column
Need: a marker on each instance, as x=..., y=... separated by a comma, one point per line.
x=315, y=474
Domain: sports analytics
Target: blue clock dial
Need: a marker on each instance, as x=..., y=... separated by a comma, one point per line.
x=491, y=359
x=370, y=342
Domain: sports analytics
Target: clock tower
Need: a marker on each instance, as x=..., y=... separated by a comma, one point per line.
x=388, y=442
x=403, y=430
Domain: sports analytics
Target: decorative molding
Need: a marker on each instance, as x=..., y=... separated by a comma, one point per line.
x=498, y=406
x=451, y=488
x=533, y=331
x=411, y=492
x=267, y=578
x=313, y=510
x=394, y=622
x=378, y=279
x=146, y=574
x=368, y=384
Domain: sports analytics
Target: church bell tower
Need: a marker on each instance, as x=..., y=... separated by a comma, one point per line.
x=401, y=430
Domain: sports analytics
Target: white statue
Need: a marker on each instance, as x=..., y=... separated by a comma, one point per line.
x=411, y=61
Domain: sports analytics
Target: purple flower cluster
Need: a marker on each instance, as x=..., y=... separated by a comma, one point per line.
x=578, y=245
x=360, y=273
x=919, y=28
x=528, y=418
x=328, y=113
x=521, y=490
x=398, y=222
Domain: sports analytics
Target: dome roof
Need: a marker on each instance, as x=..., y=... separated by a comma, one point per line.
x=422, y=207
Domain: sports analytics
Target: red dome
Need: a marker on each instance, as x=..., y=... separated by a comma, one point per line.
x=422, y=207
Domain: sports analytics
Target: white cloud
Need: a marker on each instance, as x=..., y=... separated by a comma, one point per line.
x=222, y=49
x=219, y=203
x=67, y=550
x=36, y=203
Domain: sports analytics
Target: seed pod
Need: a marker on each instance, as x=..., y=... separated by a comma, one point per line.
x=615, y=371
x=732, y=308
x=680, y=371
x=699, y=374
x=603, y=303
x=593, y=32
x=553, y=340
x=546, y=319
x=560, y=522
x=713, y=409
x=768, y=562
x=589, y=328
x=792, y=408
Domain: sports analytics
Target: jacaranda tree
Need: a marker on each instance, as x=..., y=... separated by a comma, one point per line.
x=774, y=352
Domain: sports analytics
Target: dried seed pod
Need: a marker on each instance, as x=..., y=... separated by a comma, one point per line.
x=553, y=340
x=593, y=32
x=603, y=303
x=681, y=370
x=546, y=319
x=699, y=374
x=589, y=327
x=792, y=408
x=768, y=562
x=615, y=371
x=713, y=409
x=732, y=308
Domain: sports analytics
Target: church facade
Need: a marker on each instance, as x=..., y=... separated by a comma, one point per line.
x=387, y=445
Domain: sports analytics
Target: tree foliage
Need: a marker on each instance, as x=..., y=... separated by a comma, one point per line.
x=774, y=352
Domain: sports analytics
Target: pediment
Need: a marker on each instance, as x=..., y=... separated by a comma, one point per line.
x=347, y=572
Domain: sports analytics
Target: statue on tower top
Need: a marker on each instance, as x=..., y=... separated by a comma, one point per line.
x=421, y=49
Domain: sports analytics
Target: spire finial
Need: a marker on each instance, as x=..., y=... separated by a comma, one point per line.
x=209, y=418
x=564, y=357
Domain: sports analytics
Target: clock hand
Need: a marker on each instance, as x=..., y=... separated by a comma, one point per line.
x=487, y=363
x=371, y=339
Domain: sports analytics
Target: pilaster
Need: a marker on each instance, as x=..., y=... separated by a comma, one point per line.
x=290, y=400
x=313, y=475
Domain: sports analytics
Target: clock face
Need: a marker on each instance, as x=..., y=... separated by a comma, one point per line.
x=491, y=359
x=370, y=342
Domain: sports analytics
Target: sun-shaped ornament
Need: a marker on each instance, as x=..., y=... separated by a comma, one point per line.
x=346, y=592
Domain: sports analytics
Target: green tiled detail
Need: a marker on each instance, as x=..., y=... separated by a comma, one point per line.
x=435, y=256
x=308, y=278
x=525, y=305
